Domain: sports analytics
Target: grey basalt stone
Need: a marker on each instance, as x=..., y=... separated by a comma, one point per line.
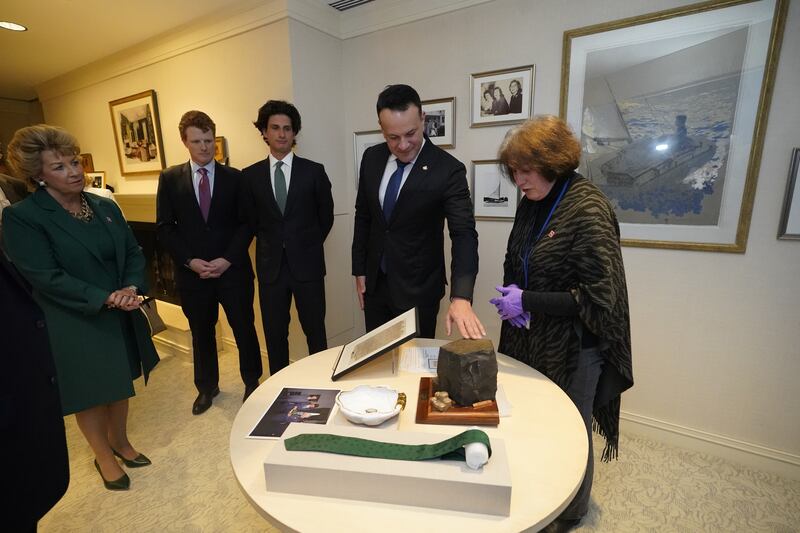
x=467, y=370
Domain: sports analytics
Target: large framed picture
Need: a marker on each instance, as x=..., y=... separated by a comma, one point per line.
x=790, y=218
x=361, y=141
x=494, y=196
x=671, y=110
x=440, y=121
x=376, y=342
x=137, y=134
x=501, y=96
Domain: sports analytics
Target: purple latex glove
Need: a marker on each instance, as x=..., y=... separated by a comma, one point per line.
x=510, y=305
x=497, y=302
x=521, y=320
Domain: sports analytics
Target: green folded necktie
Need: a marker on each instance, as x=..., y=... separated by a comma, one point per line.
x=452, y=448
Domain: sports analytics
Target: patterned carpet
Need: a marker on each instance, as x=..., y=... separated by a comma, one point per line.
x=191, y=487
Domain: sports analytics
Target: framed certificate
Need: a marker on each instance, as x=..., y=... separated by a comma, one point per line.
x=377, y=342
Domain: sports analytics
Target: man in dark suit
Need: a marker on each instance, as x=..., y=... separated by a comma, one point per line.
x=199, y=222
x=290, y=208
x=37, y=468
x=407, y=188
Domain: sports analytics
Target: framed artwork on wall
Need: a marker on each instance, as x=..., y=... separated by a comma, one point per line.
x=221, y=150
x=501, y=97
x=361, y=141
x=440, y=121
x=789, y=228
x=671, y=110
x=494, y=196
x=86, y=162
x=137, y=134
x=98, y=179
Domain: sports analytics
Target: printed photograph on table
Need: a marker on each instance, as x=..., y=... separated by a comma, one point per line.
x=494, y=196
x=501, y=97
x=294, y=404
x=789, y=228
x=137, y=134
x=670, y=109
x=440, y=122
x=361, y=141
x=98, y=179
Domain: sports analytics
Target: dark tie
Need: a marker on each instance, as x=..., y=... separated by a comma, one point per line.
x=452, y=448
x=205, y=193
x=390, y=197
x=280, y=186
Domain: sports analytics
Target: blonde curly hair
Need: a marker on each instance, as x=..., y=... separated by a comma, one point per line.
x=25, y=150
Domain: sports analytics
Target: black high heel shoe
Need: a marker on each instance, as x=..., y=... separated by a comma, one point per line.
x=138, y=461
x=123, y=483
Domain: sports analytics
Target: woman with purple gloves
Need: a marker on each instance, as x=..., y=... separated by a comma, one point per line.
x=564, y=302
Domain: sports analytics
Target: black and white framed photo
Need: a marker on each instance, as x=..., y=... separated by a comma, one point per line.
x=494, y=196
x=671, y=109
x=376, y=342
x=789, y=228
x=501, y=96
x=361, y=141
x=440, y=121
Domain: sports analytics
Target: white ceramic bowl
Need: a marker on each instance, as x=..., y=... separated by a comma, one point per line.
x=369, y=405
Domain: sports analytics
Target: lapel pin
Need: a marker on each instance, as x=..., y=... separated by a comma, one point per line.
x=551, y=234
x=424, y=167
x=108, y=219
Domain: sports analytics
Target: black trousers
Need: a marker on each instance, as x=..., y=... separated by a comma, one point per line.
x=201, y=307
x=276, y=303
x=379, y=309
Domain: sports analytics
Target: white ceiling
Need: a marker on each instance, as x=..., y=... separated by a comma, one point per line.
x=66, y=34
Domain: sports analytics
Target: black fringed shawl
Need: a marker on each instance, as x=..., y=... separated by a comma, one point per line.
x=578, y=252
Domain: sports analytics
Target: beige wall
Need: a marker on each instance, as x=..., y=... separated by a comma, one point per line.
x=15, y=114
x=714, y=335
x=715, y=354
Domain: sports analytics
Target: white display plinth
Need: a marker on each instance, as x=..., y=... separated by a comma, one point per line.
x=439, y=484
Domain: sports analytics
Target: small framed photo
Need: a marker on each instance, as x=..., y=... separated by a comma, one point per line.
x=376, y=342
x=221, y=150
x=501, y=97
x=361, y=141
x=86, y=162
x=494, y=196
x=98, y=179
x=790, y=218
x=440, y=121
x=137, y=134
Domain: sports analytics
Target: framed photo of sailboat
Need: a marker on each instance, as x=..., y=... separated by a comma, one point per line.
x=671, y=110
x=494, y=196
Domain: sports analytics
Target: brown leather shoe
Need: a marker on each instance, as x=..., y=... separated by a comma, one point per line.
x=203, y=401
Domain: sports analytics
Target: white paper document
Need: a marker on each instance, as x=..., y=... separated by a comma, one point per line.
x=419, y=359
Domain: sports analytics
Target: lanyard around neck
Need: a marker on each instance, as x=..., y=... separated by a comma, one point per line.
x=530, y=244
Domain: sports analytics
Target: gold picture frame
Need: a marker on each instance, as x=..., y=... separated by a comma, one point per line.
x=672, y=82
x=137, y=134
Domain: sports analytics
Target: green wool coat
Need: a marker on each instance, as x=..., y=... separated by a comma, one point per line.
x=98, y=351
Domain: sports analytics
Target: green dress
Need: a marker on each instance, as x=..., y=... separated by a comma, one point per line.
x=73, y=266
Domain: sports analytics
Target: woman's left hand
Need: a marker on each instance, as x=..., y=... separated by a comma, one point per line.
x=510, y=305
x=125, y=299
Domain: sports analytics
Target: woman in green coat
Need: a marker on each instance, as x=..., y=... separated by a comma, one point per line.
x=86, y=271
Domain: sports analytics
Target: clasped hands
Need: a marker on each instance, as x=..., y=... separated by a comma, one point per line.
x=209, y=269
x=509, y=305
x=125, y=299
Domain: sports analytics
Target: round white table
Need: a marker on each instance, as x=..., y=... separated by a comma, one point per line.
x=545, y=439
